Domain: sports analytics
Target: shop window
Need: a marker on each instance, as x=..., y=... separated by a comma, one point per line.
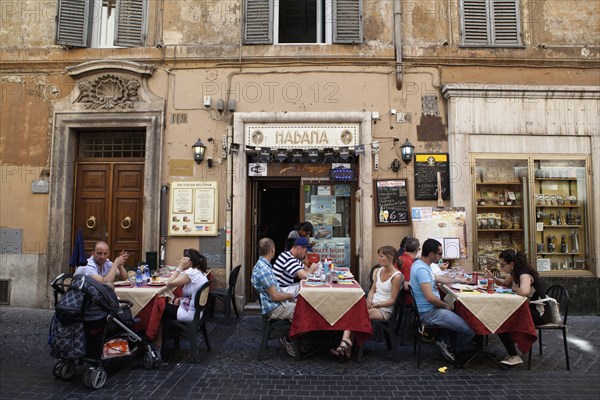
x=490, y=23
x=101, y=23
x=302, y=21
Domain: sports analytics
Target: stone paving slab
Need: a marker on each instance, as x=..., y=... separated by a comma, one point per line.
x=231, y=370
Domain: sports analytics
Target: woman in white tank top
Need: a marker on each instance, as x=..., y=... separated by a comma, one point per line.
x=381, y=297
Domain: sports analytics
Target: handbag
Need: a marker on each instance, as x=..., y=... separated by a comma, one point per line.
x=553, y=307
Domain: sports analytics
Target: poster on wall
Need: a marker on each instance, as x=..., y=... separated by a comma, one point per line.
x=193, y=209
x=446, y=225
x=336, y=249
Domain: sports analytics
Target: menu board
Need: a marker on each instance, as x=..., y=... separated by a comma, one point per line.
x=193, y=209
x=391, y=202
x=427, y=165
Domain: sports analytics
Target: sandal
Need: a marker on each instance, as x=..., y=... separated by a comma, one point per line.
x=343, y=351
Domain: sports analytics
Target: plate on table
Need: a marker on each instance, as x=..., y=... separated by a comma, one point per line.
x=122, y=283
x=462, y=286
x=157, y=283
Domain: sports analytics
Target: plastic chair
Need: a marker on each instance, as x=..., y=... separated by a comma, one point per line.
x=270, y=325
x=420, y=328
x=389, y=328
x=190, y=329
x=226, y=295
x=561, y=295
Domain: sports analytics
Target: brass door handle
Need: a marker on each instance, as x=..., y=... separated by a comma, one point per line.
x=126, y=223
x=91, y=222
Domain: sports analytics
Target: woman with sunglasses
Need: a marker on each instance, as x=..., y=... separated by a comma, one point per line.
x=526, y=282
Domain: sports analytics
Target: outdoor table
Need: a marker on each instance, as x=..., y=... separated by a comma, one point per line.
x=332, y=307
x=493, y=313
x=148, y=305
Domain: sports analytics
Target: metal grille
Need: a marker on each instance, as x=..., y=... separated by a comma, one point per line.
x=113, y=144
x=5, y=291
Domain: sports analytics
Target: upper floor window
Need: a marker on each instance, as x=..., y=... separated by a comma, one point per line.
x=302, y=21
x=101, y=23
x=493, y=23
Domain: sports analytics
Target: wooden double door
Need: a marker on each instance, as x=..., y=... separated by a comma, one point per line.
x=108, y=206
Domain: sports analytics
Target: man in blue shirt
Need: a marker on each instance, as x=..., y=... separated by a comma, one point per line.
x=275, y=303
x=432, y=310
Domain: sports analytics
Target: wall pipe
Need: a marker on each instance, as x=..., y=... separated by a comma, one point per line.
x=164, y=214
x=398, y=42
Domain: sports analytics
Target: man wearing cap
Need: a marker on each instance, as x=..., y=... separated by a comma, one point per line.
x=289, y=264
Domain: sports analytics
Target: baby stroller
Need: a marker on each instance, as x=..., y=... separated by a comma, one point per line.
x=91, y=325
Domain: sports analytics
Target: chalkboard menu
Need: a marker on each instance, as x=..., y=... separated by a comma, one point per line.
x=391, y=202
x=426, y=168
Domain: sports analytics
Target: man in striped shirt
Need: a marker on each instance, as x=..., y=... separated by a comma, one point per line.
x=289, y=264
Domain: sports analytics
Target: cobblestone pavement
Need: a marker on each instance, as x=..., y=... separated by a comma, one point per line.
x=231, y=370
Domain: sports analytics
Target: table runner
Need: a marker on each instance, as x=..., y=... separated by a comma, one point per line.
x=331, y=301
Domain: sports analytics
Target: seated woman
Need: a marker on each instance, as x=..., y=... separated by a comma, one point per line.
x=190, y=273
x=380, y=299
x=524, y=281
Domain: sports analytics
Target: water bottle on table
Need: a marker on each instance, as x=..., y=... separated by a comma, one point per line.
x=139, y=279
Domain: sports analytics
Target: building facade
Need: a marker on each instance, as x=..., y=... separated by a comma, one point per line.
x=102, y=102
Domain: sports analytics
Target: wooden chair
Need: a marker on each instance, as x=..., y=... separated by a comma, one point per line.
x=561, y=295
x=191, y=328
x=226, y=295
x=389, y=328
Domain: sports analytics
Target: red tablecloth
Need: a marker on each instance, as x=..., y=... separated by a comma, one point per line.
x=151, y=315
x=356, y=319
x=519, y=325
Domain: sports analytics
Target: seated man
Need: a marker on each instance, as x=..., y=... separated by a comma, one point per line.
x=275, y=303
x=289, y=264
x=101, y=268
x=432, y=309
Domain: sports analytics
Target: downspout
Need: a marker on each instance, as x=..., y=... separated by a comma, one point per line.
x=398, y=42
x=229, y=204
x=164, y=212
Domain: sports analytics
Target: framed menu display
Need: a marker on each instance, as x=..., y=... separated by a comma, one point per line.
x=391, y=202
x=193, y=209
x=427, y=165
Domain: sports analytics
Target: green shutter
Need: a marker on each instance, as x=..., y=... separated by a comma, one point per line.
x=74, y=22
x=258, y=22
x=506, y=22
x=347, y=21
x=130, y=23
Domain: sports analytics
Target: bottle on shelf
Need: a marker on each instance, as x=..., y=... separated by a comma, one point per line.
x=577, y=218
x=563, y=244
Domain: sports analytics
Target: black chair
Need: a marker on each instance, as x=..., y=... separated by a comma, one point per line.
x=420, y=329
x=561, y=295
x=226, y=295
x=389, y=329
x=191, y=328
x=270, y=325
x=407, y=314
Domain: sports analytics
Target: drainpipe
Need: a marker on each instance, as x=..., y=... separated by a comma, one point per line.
x=398, y=42
x=229, y=205
x=164, y=214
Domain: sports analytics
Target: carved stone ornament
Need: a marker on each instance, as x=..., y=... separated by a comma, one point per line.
x=108, y=92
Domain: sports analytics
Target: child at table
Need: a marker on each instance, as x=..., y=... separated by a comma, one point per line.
x=380, y=299
x=191, y=274
x=526, y=282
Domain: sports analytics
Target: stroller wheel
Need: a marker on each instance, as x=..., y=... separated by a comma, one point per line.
x=68, y=369
x=94, y=378
x=148, y=360
x=58, y=369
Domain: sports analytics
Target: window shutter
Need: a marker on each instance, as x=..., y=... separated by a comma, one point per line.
x=347, y=21
x=74, y=22
x=258, y=22
x=130, y=23
x=506, y=22
x=475, y=22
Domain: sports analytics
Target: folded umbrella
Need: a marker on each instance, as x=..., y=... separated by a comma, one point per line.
x=78, y=257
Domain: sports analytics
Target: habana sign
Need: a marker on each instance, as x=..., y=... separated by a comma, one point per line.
x=302, y=136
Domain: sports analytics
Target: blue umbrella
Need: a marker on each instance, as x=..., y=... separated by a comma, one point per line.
x=78, y=256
